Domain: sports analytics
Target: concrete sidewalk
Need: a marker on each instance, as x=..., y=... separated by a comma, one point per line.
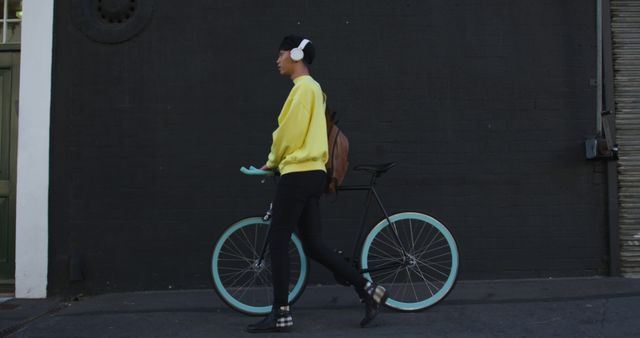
x=572, y=307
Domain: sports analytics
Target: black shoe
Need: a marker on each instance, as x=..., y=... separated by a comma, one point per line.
x=376, y=295
x=279, y=320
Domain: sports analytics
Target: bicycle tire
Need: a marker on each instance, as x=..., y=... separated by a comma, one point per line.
x=218, y=264
x=434, y=289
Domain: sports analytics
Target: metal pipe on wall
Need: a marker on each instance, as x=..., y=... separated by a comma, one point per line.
x=605, y=102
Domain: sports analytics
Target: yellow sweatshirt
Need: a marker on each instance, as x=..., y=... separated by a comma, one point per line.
x=300, y=141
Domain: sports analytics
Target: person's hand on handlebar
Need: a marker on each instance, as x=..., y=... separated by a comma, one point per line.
x=264, y=167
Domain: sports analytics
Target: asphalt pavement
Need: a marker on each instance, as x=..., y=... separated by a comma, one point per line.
x=567, y=307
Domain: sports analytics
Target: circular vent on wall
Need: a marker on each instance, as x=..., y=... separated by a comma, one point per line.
x=111, y=21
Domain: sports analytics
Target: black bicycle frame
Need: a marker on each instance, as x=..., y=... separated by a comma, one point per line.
x=371, y=191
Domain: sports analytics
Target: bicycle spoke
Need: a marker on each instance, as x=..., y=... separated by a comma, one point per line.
x=431, y=230
x=395, y=235
x=238, y=257
x=240, y=252
x=232, y=259
x=383, y=260
x=246, y=288
x=231, y=273
x=430, y=277
x=234, y=262
x=237, y=279
x=446, y=275
x=423, y=253
x=234, y=267
x=264, y=280
x=380, y=280
x=426, y=236
x=255, y=236
x=432, y=239
x=431, y=253
x=387, y=240
x=432, y=281
x=388, y=275
x=380, y=249
x=251, y=247
x=417, y=237
x=238, y=274
x=437, y=256
x=419, y=273
x=396, y=276
x=411, y=233
x=241, y=287
x=234, y=248
x=404, y=290
x=389, y=256
x=267, y=268
x=391, y=239
x=233, y=243
x=427, y=249
x=409, y=277
x=448, y=266
x=403, y=287
x=387, y=271
x=227, y=253
x=403, y=235
x=375, y=257
x=381, y=241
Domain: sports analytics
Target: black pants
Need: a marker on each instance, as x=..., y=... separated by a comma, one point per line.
x=297, y=202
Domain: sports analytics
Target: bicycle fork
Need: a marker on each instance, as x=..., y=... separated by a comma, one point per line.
x=265, y=218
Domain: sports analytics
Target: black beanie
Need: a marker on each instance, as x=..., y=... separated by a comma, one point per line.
x=292, y=41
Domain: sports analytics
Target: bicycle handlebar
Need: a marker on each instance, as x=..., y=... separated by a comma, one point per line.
x=255, y=171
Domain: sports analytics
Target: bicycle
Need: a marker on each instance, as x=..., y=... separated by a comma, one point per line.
x=412, y=254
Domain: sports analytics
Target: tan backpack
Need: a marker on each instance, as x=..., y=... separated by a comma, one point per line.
x=338, y=162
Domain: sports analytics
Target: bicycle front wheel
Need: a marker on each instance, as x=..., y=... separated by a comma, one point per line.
x=241, y=279
x=422, y=277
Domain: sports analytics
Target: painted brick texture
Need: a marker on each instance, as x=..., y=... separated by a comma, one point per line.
x=484, y=105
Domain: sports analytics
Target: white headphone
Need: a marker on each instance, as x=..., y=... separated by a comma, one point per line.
x=297, y=53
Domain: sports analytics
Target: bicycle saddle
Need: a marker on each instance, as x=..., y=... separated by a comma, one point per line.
x=375, y=168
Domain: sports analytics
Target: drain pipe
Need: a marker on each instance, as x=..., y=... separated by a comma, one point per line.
x=605, y=103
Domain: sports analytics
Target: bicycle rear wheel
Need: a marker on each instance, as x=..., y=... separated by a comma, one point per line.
x=240, y=279
x=422, y=278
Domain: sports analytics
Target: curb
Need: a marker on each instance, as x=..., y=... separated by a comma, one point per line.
x=7, y=331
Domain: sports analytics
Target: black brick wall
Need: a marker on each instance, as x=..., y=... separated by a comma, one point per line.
x=484, y=105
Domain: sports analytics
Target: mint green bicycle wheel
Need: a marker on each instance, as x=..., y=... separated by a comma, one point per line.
x=422, y=277
x=241, y=279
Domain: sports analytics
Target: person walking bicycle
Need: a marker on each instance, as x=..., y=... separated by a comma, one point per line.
x=299, y=151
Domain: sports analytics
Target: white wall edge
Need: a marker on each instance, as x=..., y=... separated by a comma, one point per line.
x=32, y=187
